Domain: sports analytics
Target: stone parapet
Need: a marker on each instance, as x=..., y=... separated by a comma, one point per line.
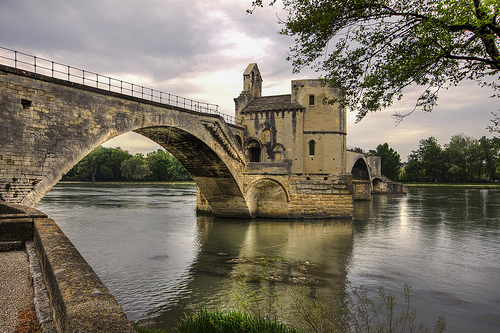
x=79, y=300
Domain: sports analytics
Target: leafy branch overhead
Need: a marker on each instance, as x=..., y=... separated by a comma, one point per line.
x=374, y=49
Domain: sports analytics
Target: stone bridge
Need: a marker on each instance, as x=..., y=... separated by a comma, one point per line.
x=287, y=157
x=49, y=124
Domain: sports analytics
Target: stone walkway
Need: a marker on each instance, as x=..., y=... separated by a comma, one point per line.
x=16, y=292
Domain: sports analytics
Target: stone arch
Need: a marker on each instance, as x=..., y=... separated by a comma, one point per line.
x=360, y=170
x=208, y=166
x=361, y=182
x=268, y=198
x=212, y=175
x=378, y=185
x=254, y=149
x=78, y=118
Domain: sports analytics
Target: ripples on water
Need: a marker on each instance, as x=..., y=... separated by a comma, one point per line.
x=159, y=259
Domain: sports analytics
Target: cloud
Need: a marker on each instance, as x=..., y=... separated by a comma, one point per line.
x=199, y=49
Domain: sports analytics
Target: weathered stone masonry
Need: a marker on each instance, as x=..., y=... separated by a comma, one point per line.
x=286, y=156
x=48, y=125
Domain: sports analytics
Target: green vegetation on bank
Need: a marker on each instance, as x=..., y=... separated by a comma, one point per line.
x=346, y=311
x=215, y=321
x=464, y=160
x=114, y=164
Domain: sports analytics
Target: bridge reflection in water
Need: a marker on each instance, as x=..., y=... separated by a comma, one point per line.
x=313, y=255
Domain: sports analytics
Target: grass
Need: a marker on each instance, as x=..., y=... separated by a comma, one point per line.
x=215, y=321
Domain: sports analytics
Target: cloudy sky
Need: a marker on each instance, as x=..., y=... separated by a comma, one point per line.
x=199, y=49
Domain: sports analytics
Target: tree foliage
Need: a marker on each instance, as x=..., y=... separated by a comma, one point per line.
x=496, y=123
x=390, y=161
x=115, y=164
x=135, y=168
x=463, y=159
x=374, y=49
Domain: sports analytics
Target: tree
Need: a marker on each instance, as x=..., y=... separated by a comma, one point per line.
x=374, y=49
x=159, y=162
x=100, y=164
x=496, y=123
x=90, y=164
x=464, y=158
x=135, y=168
x=490, y=155
x=413, y=169
x=425, y=164
x=390, y=161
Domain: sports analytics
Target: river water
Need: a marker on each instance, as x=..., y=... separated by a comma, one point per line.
x=160, y=260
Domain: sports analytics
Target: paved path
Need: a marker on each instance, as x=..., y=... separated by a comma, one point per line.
x=16, y=292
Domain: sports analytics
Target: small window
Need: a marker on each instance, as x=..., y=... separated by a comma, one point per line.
x=312, y=147
x=311, y=99
x=26, y=104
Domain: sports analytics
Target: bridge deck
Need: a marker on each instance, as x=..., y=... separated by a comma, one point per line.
x=37, y=65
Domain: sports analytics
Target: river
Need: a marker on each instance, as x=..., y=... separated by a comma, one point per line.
x=160, y=260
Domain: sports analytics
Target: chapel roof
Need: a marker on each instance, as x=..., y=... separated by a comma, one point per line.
x=272, y=103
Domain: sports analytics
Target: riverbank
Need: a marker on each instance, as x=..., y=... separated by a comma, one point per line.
x=173, y=182
x=191, y=182
x=455, y=185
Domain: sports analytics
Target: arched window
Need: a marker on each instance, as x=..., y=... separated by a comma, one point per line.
x=238, y=138
x=254, y=150
x=312, y=147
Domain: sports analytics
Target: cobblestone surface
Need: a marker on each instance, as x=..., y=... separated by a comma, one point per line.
x=16, y=292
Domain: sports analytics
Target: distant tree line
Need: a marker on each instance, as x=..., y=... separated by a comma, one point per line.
x=115, y=164
x=462, y=160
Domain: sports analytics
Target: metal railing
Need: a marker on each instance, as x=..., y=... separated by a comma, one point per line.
x=355, y=149
x=60, y=71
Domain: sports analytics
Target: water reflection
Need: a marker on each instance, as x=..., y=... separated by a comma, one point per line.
x=444, y=242
x=160, y=260
x=312, y=254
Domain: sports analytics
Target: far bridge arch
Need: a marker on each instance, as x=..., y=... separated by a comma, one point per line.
x=361, y=177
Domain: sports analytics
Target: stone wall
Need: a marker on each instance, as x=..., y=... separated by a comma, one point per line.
x=321, y=196
x=362, y=189
x=79, y=301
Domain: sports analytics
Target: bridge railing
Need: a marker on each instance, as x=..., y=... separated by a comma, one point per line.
x=57, y=70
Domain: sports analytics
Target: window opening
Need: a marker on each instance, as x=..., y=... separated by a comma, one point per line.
x=254, y=151
x=26, y=103
x=312, y=147
x=311, y=99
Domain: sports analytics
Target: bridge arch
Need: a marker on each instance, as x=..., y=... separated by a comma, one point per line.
x=64, y=121
x=267, y=197
x=360, y=170
x=361, y=177
x=379, y=185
